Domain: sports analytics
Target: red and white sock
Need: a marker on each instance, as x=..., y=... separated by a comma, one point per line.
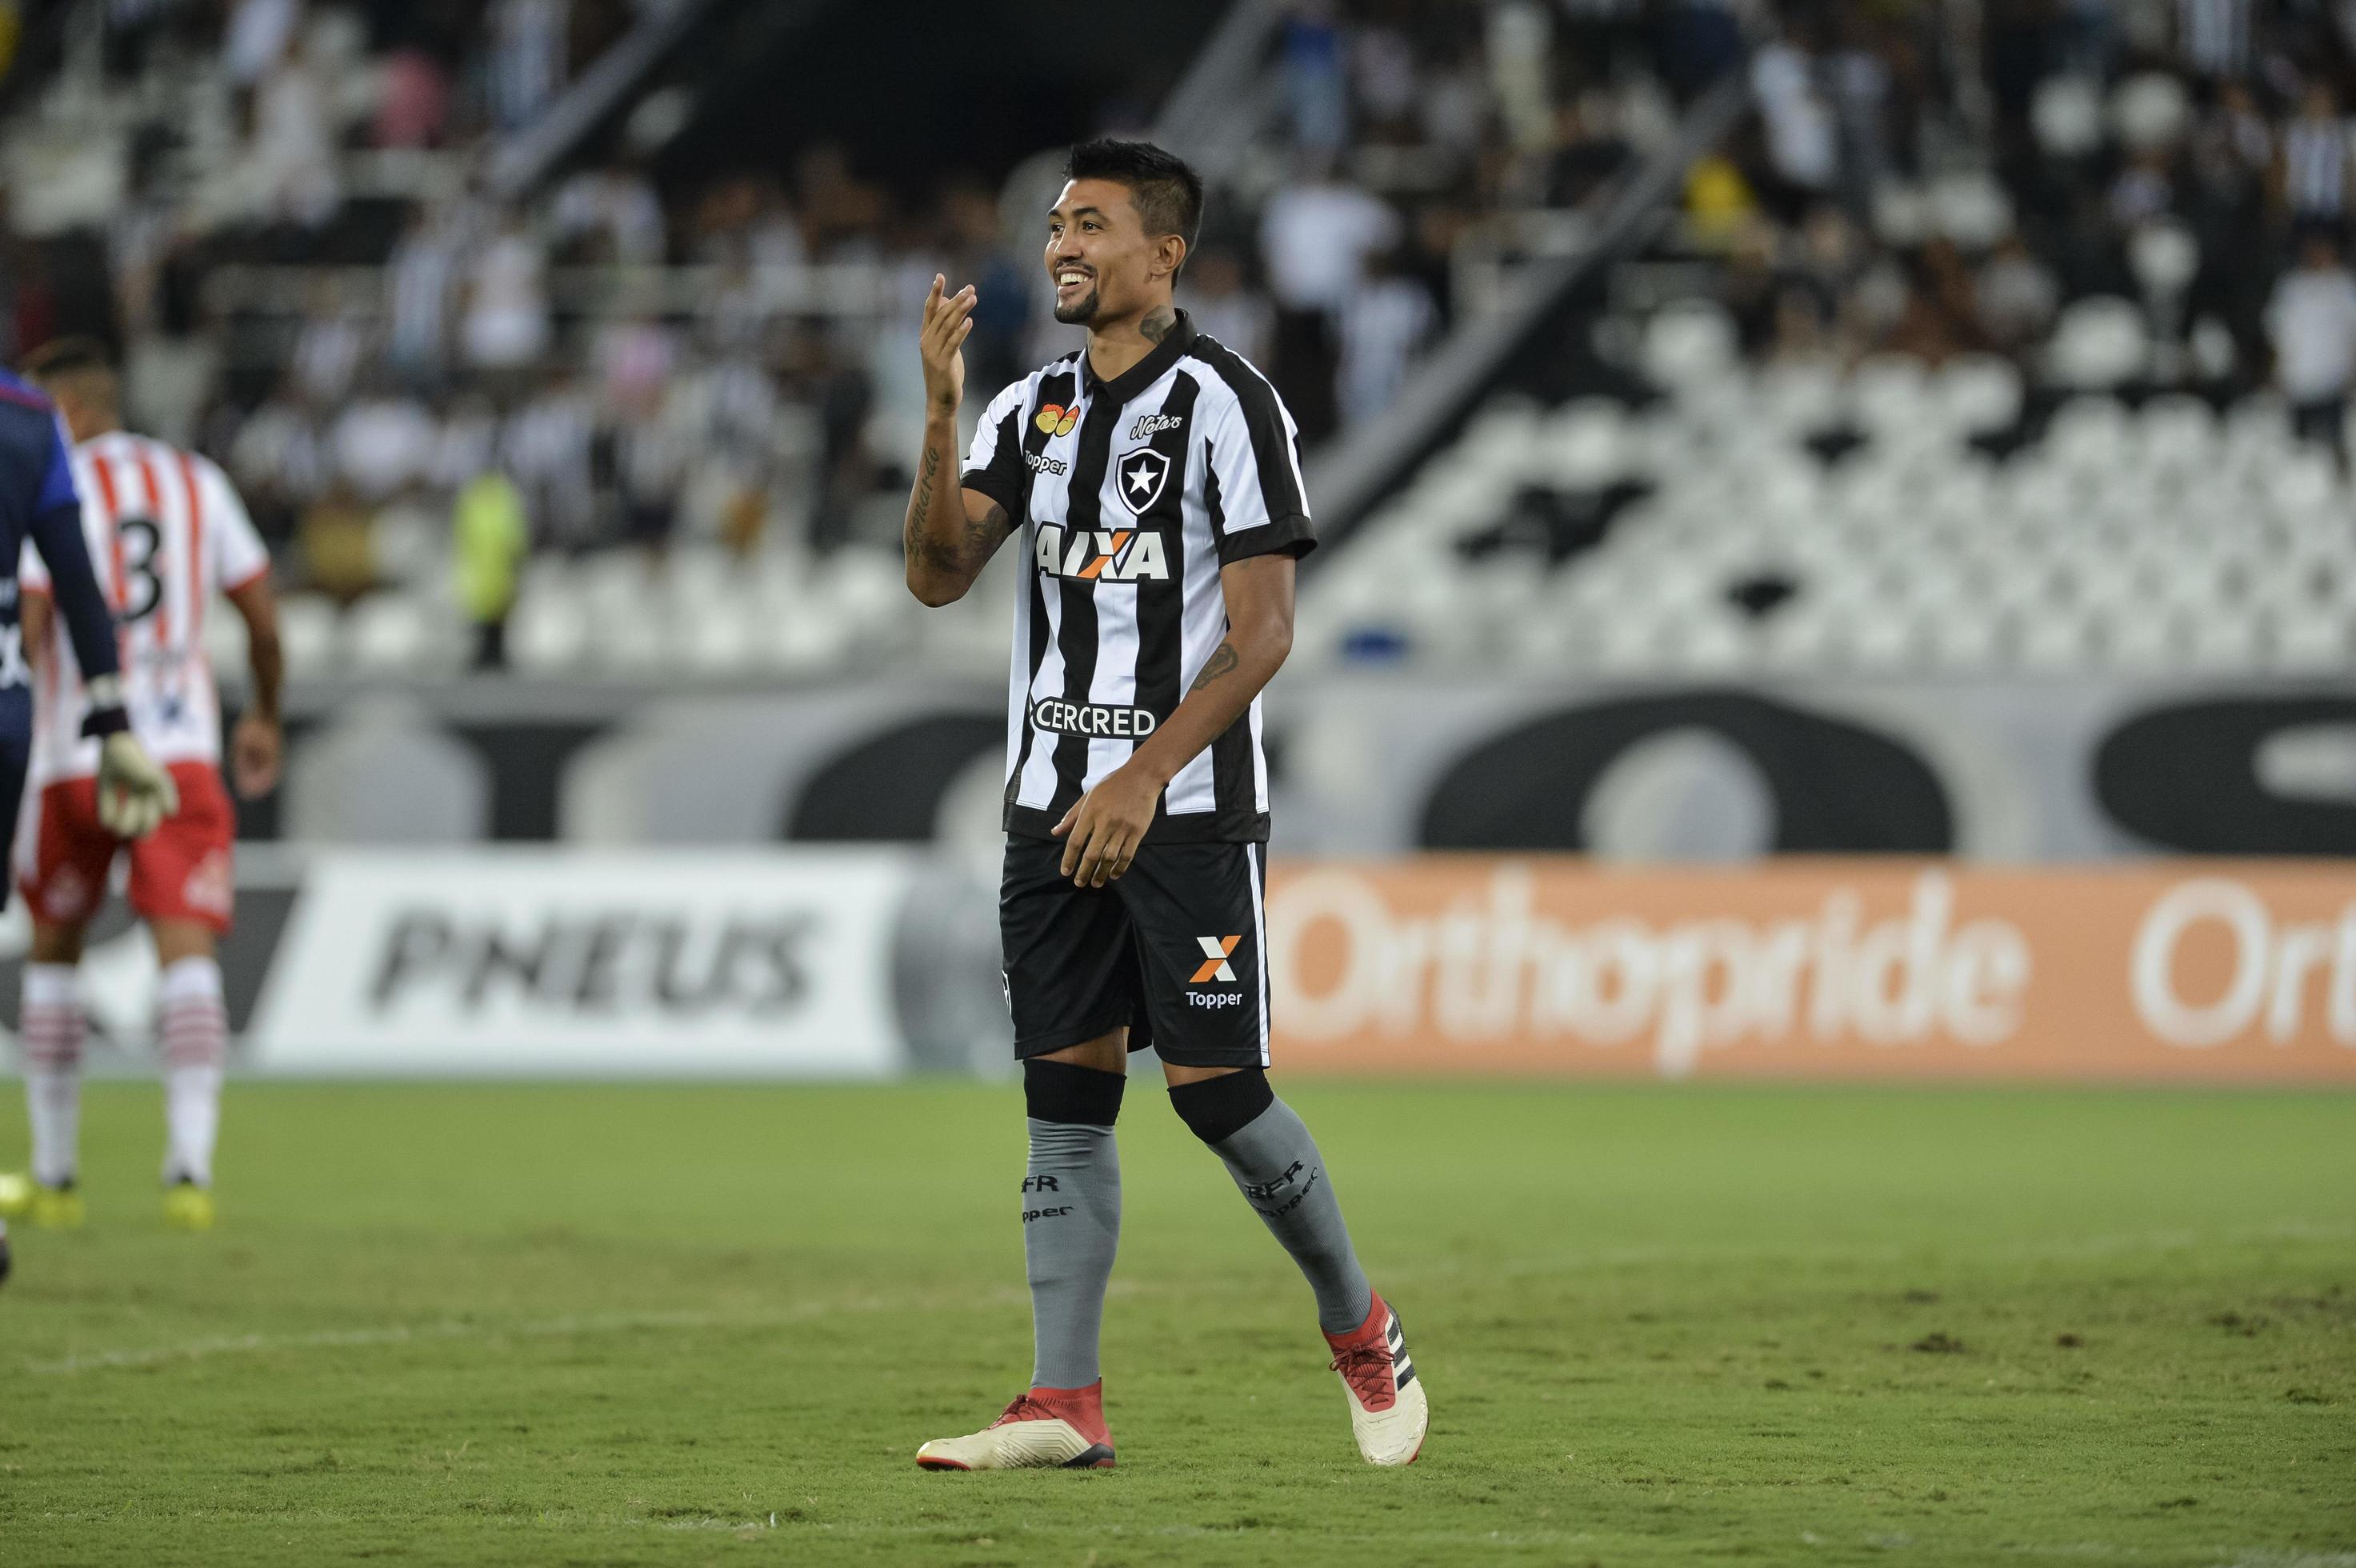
x=196, y=1048
x=49, y=1021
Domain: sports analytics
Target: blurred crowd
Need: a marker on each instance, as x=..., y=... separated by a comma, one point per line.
x=719, y=355
x=2126, y=195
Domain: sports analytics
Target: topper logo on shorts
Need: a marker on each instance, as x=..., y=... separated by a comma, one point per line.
x=1100, y=556
x=1057, y=716
x=1217, y=951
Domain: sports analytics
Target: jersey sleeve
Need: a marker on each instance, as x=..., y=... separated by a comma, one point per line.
x=1252, y=475
x=238, y=554
x=994, y=465
x=56, y=535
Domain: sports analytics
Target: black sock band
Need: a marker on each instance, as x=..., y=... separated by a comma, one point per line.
x=1064, y=1091
x=1216, y=1109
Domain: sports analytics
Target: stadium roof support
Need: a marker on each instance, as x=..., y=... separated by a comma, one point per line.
x=1348, y=477
x=522, y=160
x=1202, y=121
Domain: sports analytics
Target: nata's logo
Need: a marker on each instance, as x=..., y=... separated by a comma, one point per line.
x=1057, y=420
x=1217, y=951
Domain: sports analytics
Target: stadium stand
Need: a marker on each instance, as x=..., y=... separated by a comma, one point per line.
x=1946, y=323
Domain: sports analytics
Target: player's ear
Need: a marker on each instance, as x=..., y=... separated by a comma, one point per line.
x=1168, y=255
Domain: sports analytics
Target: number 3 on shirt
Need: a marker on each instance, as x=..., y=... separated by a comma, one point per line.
x=143, y=589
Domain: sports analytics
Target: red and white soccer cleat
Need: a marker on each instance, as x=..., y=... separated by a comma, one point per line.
x=1045, y=1429
x=1388, y=1412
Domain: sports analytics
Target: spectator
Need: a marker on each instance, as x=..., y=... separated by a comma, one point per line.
x=1802, y=142
x=328, y=351
x=527, y=52
x=1384, y=325
x=2312, y=321
x=383, y=443
x=258, y=36
x=609, y=214
x=506, y=323
x=294, y=143
x=2015, y=297
x=1216, y=296
x=1316, y=89
x=2316, y=167
x=548, y=447
x=336, y=539
x=419, y=280
x=490, y=536
x=2213, y=38
x=413, y=103
x=1316, y=233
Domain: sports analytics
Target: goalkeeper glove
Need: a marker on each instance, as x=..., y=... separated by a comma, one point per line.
x=134, y=795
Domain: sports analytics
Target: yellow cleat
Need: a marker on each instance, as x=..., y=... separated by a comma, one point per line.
x=16, y=1195
x=55, y=1209
x=187, y=1207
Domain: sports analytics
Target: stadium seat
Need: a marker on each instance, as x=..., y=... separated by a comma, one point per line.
x=2066, y=115
x=1978, y=392
x=310, y=629
x=2099, y=344
x=1969, y=208
x=549, y=633
x=2149, y=111
x=391, y=633
x=1688, y=343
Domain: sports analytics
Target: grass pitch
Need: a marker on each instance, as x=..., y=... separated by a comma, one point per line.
x=608, y=1325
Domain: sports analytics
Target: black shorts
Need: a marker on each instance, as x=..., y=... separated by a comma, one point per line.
x=1171, y=950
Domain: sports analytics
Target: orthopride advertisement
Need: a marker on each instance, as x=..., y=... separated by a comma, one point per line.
x=2220, y=970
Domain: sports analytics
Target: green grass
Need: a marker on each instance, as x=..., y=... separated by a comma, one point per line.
x=603, y=1324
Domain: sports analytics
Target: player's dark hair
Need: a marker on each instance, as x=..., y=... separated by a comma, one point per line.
x=67, y=357
x=1167, y=191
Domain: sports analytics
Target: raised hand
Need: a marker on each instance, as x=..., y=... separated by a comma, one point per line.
x=941, y=342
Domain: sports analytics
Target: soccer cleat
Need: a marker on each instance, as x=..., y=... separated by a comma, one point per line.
x=55, y=1208
x=1044, y=1429
x=187, y=1207
x=1388, y=1412
x=16, y=1195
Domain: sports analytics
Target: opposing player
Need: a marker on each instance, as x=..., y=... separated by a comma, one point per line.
x=1154, y=480
x=169, y=533
x=39, y=506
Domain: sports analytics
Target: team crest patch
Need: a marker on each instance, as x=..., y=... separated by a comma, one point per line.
x=1140, y=475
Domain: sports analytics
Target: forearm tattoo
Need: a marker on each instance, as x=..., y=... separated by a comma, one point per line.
x=1223, y=661
x=966, y=554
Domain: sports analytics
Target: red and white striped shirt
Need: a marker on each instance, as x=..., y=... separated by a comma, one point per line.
x=166, y=533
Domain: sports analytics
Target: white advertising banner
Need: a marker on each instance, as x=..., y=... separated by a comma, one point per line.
x=543, y=962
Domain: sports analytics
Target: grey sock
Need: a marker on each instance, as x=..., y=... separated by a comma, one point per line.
x=1071, y=1228
x=1275, y=1161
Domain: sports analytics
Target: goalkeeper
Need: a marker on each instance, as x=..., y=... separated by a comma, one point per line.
x=39, y=506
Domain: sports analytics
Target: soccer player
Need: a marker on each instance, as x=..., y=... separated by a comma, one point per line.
x=1155, y=483
x=40, y=505
x=171, y=533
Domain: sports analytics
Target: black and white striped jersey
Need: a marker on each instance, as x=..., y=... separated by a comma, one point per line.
x=1129, y=496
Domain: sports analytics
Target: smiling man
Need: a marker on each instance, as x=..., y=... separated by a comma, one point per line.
x=1156, y=485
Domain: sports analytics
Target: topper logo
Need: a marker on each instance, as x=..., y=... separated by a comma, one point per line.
x=1217, y=951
